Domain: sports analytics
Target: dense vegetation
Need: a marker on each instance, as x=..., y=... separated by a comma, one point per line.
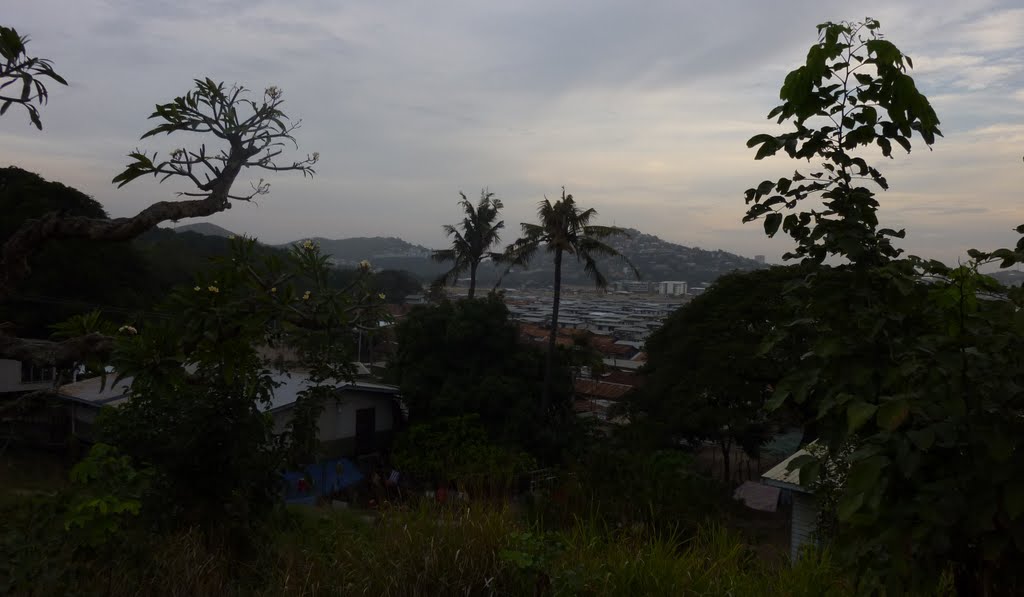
x=908, y=373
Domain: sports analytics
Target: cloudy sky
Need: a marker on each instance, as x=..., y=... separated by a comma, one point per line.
x=641, y=109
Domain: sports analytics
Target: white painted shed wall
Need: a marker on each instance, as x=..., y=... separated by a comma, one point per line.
x=338, y=419
x=10, y=378
x=805, y=519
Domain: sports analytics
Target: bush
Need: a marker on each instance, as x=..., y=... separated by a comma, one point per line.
x=457, y=449
x=424, y=551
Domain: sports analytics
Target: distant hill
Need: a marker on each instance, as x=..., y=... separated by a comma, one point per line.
x=1009, y=277
x=657, y=260
x=205, y=228
x=382, y=252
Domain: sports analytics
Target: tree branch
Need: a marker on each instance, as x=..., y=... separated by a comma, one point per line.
x=57, y=354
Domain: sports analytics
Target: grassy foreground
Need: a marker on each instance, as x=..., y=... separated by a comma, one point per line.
x=425, y=551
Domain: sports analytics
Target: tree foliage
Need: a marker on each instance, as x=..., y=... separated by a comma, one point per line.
x=18, y=69
x=252, y=134
x=472, y=239
x=465, y=357
x=852, y=93
x=459, y=449
x=564, y=229
x=71, y=276
x=705, y=378
x=201, y=381
x=915, y=364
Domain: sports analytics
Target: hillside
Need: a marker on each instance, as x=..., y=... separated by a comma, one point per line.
x=657, y=260
x=204, y=228
x=385, y=253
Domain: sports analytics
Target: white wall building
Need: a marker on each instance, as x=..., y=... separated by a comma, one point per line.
x=672, y=288
x=359, y=420
x=805, y=508
x=16, y=376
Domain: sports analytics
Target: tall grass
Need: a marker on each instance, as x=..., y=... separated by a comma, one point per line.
x=428, y=551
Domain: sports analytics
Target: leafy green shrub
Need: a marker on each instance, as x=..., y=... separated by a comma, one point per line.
x=458, y=449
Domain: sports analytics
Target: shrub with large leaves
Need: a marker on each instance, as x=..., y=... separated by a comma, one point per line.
x=915, y=364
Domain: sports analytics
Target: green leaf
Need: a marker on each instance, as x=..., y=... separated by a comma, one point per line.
x=892, y=414
x=760, y=139
x=771, y=223
x=922, y=438
x=864, y=474
x=848, y=505
x=857, y=414
x=1013, y=499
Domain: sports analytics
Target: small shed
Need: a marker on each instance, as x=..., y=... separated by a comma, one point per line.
x=805, y=508
x=361, y=418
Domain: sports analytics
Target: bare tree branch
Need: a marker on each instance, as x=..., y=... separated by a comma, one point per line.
x=210, y=108
x=58, y=354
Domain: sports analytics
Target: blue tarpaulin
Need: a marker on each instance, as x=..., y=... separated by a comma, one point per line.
x=320, y=479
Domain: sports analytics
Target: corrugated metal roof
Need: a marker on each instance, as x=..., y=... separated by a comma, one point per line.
x=601, y=389
x=780, y=476
x=97, y=390
x=88, y=391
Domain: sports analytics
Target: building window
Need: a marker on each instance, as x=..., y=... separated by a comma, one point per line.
x=33, y=374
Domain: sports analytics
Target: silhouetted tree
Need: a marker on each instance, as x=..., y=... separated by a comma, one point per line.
x=17, y=67
x=471, y=246
x=564, y=228
x=253, y=133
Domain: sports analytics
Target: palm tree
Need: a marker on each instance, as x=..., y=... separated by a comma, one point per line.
x=471, y=246
x=564, y=228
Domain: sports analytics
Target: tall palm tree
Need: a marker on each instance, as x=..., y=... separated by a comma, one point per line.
x=471, y=246
x=564, y=229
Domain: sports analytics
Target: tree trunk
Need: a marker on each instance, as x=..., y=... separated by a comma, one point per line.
x=545, y=397
x=726, y=465
x=472, y=279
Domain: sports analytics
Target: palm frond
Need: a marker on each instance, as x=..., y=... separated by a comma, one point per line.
x=442, y=255
x=605, y=231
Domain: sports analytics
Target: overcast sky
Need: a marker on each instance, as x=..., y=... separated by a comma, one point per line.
x=641, y=109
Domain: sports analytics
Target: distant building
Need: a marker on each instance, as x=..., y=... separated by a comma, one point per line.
x=633, y=286
x=759, y=258
x=22, y=376
x=697, y=290
x=672, y=288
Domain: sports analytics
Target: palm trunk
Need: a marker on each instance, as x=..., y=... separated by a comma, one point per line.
x=726, y=447
x=472, y=279
x=545, y=397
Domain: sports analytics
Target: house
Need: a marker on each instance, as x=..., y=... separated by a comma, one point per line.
x=599, y=399
x=359, y=420
x=804, y=517
x=19, y=376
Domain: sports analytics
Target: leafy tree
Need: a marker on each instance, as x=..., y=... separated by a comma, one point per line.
x=465, y=357
x=252, y=132
x=915, y=364
x=705, y=379
x=564, y=229
x=75, y=275
x=459, y=449
x=471, y=246
x=200, y=383
x=18, y=68
x=853, y=92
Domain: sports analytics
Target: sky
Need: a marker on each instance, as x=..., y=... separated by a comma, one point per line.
x=640, y=109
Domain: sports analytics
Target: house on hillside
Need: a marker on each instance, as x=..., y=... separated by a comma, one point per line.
x=20, y=376
x=360, y=420
x=804, y=519
x=598, y=399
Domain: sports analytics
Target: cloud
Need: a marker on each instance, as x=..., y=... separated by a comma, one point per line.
x=641, y=110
